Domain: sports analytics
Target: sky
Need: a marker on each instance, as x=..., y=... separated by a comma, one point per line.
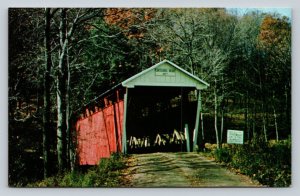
x=282, y=11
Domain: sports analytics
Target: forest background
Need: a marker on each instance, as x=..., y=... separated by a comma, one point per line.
x=60, y=59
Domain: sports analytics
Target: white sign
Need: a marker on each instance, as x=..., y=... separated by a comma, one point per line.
x=235, y=137
x=165, y=72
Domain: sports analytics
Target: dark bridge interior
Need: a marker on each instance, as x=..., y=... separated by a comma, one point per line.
x=156, y=117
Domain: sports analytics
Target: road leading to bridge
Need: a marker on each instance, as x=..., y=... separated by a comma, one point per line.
x=180, y=170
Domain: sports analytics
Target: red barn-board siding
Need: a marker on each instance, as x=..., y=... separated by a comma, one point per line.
x=96, y=134
x=120, y=115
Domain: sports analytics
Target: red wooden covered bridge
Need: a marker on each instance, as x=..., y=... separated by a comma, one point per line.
x=140, y=112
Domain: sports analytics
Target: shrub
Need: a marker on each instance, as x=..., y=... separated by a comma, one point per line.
x=222, y=155
x=104, y=175
x=269, y=164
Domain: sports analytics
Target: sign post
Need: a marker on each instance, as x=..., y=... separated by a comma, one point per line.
x=235, y=137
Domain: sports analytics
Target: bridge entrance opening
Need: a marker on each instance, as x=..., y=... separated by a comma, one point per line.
x=157, y=116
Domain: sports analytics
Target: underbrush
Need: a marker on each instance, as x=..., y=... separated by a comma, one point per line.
x=269, y=164
x=106, y=174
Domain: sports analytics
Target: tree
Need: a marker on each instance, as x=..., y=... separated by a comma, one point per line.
x=244, y=63
x=26, y=27
x=136, y=25
x=274, y=41
x=24, y=78
x=78, y=17
x=46, y=87
x=200, y=41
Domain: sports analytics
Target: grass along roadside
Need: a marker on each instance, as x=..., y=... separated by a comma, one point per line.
x=268, y=163
x=106, y=174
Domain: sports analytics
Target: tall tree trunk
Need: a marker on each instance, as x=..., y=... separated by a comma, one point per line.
x=61, y=96
x=287, y=104
x=216, y=115
x=275, y=117
x=222, y=106
x=247, y=128
x=46, y=96
x=276, y=126
x=264, y=122
x=254, y=120
x=222, y=127
x=202, y=125
x=68, y=117
x=263, y=108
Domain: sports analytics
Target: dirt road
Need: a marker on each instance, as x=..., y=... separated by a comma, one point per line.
x=180, y=170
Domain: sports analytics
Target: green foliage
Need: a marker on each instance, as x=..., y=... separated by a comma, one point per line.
x=268, y=164
x=104, y=175
x=222, y=155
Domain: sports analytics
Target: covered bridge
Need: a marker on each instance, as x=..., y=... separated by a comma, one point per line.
x=147, y=112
